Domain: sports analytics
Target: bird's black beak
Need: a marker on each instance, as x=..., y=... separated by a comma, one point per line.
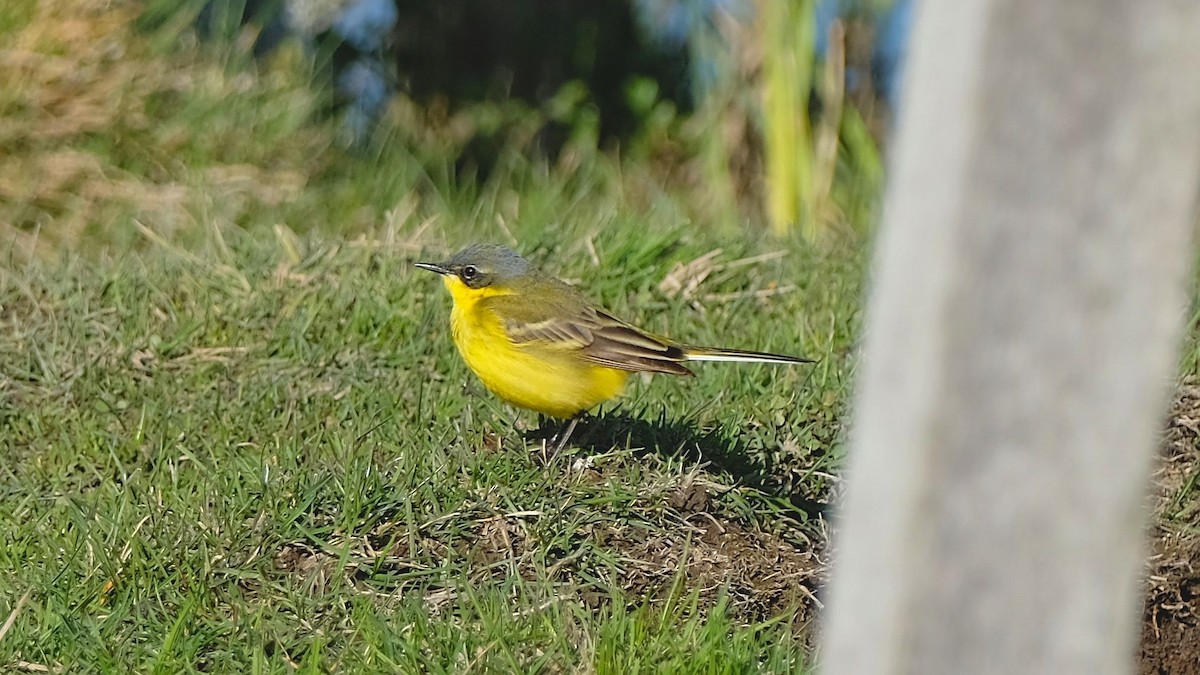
x=434, y=267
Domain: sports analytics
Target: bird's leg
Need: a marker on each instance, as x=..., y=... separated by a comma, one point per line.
x=560, y=439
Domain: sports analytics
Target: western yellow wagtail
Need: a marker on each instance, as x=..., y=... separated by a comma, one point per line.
x=538, y=343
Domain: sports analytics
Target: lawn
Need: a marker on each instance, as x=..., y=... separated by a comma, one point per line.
x=272, y=455
x=237, y=438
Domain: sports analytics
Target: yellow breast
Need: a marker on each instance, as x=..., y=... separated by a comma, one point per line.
x=551, y=381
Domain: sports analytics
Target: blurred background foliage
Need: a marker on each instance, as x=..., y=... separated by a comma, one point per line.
x=748, y=113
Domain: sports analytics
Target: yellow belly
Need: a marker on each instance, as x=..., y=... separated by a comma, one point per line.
x=550, y=381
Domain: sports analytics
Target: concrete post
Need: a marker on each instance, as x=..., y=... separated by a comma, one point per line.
x=1021, y=336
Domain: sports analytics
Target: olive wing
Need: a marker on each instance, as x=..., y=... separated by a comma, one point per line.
x=570, y=324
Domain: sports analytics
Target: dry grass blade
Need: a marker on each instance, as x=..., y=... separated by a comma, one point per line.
x=12, y=616
x=829, y=125
x=686, y=278
x=36, y=667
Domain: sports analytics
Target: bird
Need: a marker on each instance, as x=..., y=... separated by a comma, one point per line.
x=538, y=343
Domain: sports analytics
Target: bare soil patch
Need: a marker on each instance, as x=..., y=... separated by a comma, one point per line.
x=1170, y=640
x=678, y=545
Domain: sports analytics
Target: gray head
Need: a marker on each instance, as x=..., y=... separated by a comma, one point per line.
x=480, y=265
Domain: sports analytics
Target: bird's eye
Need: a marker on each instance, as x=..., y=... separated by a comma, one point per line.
x=469, y=272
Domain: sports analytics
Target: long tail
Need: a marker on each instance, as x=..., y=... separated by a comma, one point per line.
x=714, y=354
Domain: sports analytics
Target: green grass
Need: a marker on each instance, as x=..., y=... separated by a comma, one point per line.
x=265, y=450
x=230, y=457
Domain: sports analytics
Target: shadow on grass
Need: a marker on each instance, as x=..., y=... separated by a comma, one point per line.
x=674, y=438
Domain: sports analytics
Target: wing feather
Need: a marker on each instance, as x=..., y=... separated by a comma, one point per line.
x=570, y=324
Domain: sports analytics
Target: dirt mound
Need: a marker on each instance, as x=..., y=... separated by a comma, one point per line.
x=1170, y=642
